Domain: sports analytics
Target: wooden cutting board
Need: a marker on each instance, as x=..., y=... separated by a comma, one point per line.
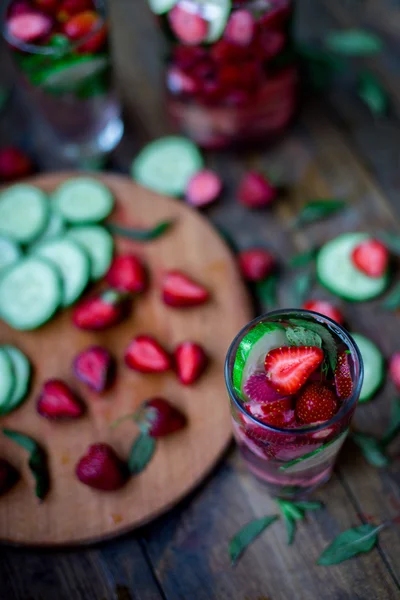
x=73, y=513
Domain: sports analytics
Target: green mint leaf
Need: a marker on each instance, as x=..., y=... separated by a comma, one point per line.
x=391, y=241
x=299, y=336
x=141, y=235
x=290, y=509
x=392, y=300
x=247, y=535
x=327, y=338
x=267, y=292
x=304, y=258
x=372, y=93
x=371, y=449
x=394, y=426
x=301, y=288
x=290, y=528
x=37, y=461
x=141, y=453
x=354, y=42
x=350, y=543
x=304, y=505
x=315, y=210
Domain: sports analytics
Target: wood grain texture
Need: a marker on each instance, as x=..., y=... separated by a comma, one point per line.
x=73, y=513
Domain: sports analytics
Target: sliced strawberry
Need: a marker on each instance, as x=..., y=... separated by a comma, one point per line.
x=69, y=8
x=203, y=188
x=81, y=26
x=325, y=308
x=146, y=355
x=29, y=27
x=394, y=369
x=343, y=379
x=371, y=257
x=188, y=27
x=95, y=367
x=255, y=191
x=316, y=403
x=8, y=476
x=100, y=312
x=289, y=367
x=127, y=274
x=14, y=164
x=279, y=413
x=100, y=468
x=190, y=361
x=256, y=264
x=158, y=418
x=180, y=291
x=258, y=389
x=58, y=401
x=240, y=28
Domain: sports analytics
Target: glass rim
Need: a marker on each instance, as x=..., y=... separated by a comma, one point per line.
x=29, y=48
x=345, y=408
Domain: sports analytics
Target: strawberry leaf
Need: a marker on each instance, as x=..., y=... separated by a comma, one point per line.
x=267, y=292
x=315, y=210
x=350, y=543
x=372, y=93
x=37, y=461
x=141, y=235
x=141, y=453
x=371, y=449
x=327, y=338
x=394, y=425
x=304, y=258
x=247, y=535
x=392, y=300
x=354, y=42
x=299, y=336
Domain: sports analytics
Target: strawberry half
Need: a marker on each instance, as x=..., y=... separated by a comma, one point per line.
x=394, y=369
x=255, y=191
x=146, y=355
x=81, y=26
x=158, y=418
x=8, y=476
x=316, y=403
x=371, y=257
x=127, y=274
x=256, y=264
x=289, y=367
x=95, y=367
x=258, y=389
x=100, y=468
x=180, y=291
x=100, y=312
x=203, y=188
x=190, y=361
x=240, y=28
x=188, y=27
x=14, y=164
x=278, y=414
x=343, y=380
x=58, y=401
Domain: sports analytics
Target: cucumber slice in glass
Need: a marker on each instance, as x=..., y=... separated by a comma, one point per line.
x=68, y=74
x=317, y=457
x=216, y=12
x=374, y=366
x=10, y=252
x=83, y=200
x=24, y=212
x=99, y=245
x=160, y=7
x=7, y=378
x=22, y=372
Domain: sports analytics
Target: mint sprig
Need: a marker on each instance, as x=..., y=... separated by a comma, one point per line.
x=350, y=543
x=293, y=512
x=300, y=336
x=247, y=535
x=315, y=210
x=141, y=235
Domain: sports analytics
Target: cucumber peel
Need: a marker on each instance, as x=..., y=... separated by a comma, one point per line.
x=374, y=366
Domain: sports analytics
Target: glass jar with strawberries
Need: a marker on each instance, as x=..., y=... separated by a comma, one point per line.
x=294, y=378
x=231, y=75
x=61, y=50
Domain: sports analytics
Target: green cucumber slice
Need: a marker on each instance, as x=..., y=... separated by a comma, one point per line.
x=337, y=273
x=374, y=366
x=83, y=200
x=252, y=350
x=160, y=7
x=10, y=252
x=67, y=75
x=30, y=293
x=98, y=244
x=7, y=378
x=24, y=211
x=22, y=373
x=73, y=264
x=216, y=12
x=55, y=228
x=166, y=165
x=317, y=457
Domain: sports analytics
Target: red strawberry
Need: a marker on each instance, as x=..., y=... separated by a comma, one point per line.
x=289, y=367
x=29, y=27
x=258, y=389
x=179, y=82
x=256, y=263
x=81, y=26
x=394, y=369
x=159, y=418
x=14, y=164
x=146, y=355
x=190, y=360
x=185, y=57
x=127, y=274
x=224, y=52
x=188, y=27
x=47, y=6
x=181, y=291
x=203, y=188
x=8, y=476
x=255, y=191
x=100, y=468
x=325, y=308
x=371, y=257
x=278, y=413
x=343, y=380
x=241, y=28
x=99, y=312
x=58, y=401
x=316, y=403
x=270, y=43
x=69, y=8
x=95, y=367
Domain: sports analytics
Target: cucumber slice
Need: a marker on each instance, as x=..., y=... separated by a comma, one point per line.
x=73, y=263
x=7, y=379
x=55, y=228
x=24, y=211
x=98, y=244
x=337, y=273
x=166, y=165
x=10, y=252
x=314, y=459
x=30, y=293
x=67, y=75
x=22, y=373
x=216, y=12
x=160, y=7
x=83, y=200
x=252, y=350
x=374, y=366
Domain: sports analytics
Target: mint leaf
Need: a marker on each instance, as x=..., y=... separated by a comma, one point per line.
x=372, y=93
x=350, y=543
x=309, y=505
x=371, y=449
x=37, y=461
x=299, y=336
x=141, y=235
x=315, y=210
x=301, y=287
x=394, y=426
x=304, y=258
x=327, y=338
x=392, y=300
x=290, y=509
x=267, y=292
x=354, y=42
x=247, y=535
x=294, y=511
x=141, y=453
x=290, y=528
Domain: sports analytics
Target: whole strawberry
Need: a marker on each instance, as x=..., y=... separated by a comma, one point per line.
x=256, y=264
x=158, y=418
x=8, y=476
x=127, y=274
x=316, y=403
x=100, y=312
x=95, y=367
x=100, y=468
x=255, y=191
x=190, y=361
x=58, y=401
x=343, y=379
x=14, y=164
x=279, y=413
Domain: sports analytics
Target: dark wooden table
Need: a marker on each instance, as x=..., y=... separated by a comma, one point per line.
x=336, y=149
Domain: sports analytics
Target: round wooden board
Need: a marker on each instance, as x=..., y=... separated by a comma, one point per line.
x=73, y=513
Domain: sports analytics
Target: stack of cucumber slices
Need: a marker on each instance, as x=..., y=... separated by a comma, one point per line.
x=15, y=375
x=51, y=248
